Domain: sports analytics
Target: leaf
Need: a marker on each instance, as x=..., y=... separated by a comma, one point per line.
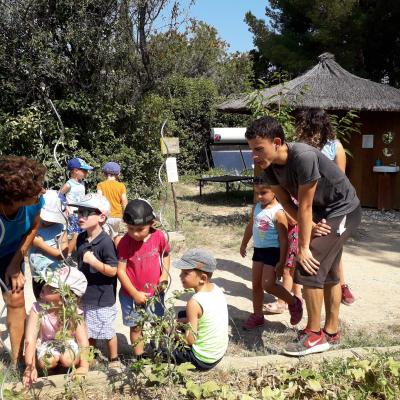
x=209, y=387
x=184, y=368
x=193, y=389
x=314, y=385
x=357, y=373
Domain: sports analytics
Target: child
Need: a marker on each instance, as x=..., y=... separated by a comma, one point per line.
x=206, y=312
x=45, y=322
x=50, y=243
x=73, y=189
x=143, y=264
x=97, y=259
x=279, y=306
x=268, y=226
x=21, y=189
x=114, y=192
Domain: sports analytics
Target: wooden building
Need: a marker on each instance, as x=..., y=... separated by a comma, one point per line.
x=329, y=86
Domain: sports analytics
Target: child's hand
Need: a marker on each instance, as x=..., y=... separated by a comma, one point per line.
x=141, y=298
x=243, y=251
x=279, y=270
x=162, y=286
x=89, y=258
x=30, y=376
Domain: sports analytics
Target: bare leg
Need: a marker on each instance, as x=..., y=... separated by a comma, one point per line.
x=297, y=290
x=136, y=334
x=332, y=297
x=313, y=297
x=16, y=323
x=341, y=273
x=112, y=346
x=287, y=283
x=68, y=359
x=258, y=291
x=270, y=285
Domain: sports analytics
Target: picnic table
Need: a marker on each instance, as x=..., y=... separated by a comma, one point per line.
x=227, y=179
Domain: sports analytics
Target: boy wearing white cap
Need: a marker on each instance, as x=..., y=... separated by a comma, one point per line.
x=50, y=243
x=45, y=323
x=97, y=259
x=206, y=312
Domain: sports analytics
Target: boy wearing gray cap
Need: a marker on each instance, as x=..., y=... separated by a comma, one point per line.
x=206, y=312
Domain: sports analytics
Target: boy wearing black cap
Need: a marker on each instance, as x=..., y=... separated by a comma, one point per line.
x=206, y=312
x=143, y=264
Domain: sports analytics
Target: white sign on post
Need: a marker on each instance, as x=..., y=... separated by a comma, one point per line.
x=172, y=169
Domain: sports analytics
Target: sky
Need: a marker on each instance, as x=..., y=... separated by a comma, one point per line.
x=227, y=16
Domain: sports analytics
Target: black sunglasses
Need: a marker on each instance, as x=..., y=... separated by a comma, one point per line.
x=87, y=212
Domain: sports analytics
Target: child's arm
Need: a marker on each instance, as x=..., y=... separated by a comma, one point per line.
x=193, y=313
x=124, y=201
x=65, y=188
x=53, y=252
x=290, y=220
x=138, y=297
x=340, y=157
x=31, y=334
x=248, y=233
x=13, y=272
x=83, y=343
x=94, y=262
x=165, y=270
x=282, y=228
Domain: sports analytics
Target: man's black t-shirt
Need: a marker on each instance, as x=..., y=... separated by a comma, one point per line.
x=334, y=195
x=101, y=289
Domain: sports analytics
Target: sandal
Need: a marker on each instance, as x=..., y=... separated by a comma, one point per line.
x=274, y=308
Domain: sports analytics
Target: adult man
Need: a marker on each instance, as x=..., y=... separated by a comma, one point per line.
x=328, y=212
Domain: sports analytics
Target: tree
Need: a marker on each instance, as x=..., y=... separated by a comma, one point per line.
x=362, y=34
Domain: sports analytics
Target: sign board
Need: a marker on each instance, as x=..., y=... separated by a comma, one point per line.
x=367, y=141
x=172, y=143
x=172, y=169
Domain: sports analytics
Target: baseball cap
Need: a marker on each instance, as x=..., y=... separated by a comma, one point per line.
x=69, y=276
x=52, y=211
x=138, y=212
x=78, y=163
x=92, y=200
x=197, y=258
x=112, y=168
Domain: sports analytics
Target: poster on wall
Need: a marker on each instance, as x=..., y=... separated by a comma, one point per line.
x=367, y=141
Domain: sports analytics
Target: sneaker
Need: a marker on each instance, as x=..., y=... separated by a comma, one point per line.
x=254, y=321
x=296, y=311
x=333, y=340
x=347, y=297
x=308, y=343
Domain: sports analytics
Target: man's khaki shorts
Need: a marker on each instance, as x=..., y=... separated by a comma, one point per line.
x=328, y=251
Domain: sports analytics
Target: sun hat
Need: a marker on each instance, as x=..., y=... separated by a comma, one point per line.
x=78, y=163
x=197, y=259
x=112, y=168
x=53, y=209
x=69, y=276
x=139, y=212
x=93, y=200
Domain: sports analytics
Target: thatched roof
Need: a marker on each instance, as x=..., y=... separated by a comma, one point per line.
x=328, y=86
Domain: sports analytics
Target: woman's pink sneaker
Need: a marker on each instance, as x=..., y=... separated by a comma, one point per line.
x=254, y=321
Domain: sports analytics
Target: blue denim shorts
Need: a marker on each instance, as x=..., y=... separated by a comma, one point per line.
x=130, y=315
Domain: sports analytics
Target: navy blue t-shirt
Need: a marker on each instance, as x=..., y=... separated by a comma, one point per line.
x=101, y=289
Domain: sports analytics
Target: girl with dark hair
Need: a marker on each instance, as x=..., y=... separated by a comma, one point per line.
x=21, y=189
x=313, y=127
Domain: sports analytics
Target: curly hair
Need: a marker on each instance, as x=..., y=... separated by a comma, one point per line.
x=313, y=127
x=20, y=179
x=265, y=127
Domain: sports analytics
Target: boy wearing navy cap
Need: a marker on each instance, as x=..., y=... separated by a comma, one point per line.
x=115, y=192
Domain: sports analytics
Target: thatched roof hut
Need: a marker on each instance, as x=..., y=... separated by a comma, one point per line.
x=329, y=86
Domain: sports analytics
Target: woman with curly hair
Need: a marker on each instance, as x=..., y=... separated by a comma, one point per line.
x=21, y=189
x=314, y=127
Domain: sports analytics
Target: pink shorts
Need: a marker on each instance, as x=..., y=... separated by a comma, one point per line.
x=293, y=246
